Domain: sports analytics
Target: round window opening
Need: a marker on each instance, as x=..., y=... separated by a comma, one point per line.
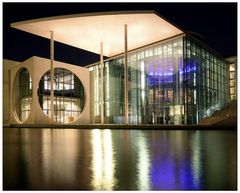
x=68, y=100
x=22, y=94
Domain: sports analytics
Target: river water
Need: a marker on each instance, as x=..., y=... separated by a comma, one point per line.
x=94, y=159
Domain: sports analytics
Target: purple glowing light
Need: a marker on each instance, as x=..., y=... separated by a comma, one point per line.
x=171, y=73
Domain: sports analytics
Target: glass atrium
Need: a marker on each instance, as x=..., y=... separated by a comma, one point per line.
x=176, y=81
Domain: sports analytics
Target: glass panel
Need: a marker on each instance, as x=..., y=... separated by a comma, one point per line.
x=208, y=90
x=23, y=94
x=174, y=82
x=68, y=95
x=154, y=81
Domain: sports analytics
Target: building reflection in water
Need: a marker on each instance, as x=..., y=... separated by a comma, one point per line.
x=29, y=157
x=59, y=156
x=175, y=166
x=46, y=140
x=47, y=159
x=196, y=160
x=103, y=161
x=143, y=164
x=162, y=170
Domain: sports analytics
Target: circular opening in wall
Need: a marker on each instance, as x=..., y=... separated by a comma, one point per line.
x=22, y=93
x=68, y=100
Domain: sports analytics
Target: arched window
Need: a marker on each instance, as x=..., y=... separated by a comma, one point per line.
x=22, y=94
x=68, y=95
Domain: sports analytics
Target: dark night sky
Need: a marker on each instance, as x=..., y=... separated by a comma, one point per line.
x=217, y=22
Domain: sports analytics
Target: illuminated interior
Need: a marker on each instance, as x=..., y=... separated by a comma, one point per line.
x=23, y=94
x=172, y=77
x=68, y=95
x=177, y=81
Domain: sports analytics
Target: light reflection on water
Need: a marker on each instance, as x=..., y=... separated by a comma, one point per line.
x=59, y=155
x=196, y=158
x=143, y=164
x=103, y=161
x=47, y=159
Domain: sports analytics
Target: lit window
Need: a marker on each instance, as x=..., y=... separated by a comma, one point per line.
x=232, y=67
x=232, y=75
x=23, y=94
x=232, y=91
x=68, y=95
x=232, y=82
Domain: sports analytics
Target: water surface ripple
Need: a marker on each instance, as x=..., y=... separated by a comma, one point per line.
x=94, y=159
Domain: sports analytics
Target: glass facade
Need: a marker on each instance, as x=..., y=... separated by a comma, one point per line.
x=23, y=94
x=68, y=95
x=177, y=81
x=206, y=87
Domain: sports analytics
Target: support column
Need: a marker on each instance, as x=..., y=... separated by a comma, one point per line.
x=52, y=74
x=102, y=84
x=126, y=73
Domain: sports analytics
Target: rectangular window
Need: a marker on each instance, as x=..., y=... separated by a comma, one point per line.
x=232, y=82
x=231, y=67
x=232, y=91
x=232, y=75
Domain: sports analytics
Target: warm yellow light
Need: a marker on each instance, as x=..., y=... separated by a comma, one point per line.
x=59, y=155
x=232, y=67
x=87, y=31
x=143, y=164
x=109, y=162
x=103, y=163
x=97, y=159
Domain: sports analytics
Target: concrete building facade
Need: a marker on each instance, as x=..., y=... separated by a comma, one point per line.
x=23, y=104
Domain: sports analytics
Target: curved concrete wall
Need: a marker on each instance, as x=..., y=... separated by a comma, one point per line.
x=37, y=67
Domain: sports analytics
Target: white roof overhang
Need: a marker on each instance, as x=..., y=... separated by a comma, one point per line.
x=87, y=31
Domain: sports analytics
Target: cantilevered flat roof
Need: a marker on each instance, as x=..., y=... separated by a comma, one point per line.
x=87, y=31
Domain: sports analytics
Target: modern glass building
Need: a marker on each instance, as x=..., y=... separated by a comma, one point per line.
x=155, y=73
x=176, y=81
